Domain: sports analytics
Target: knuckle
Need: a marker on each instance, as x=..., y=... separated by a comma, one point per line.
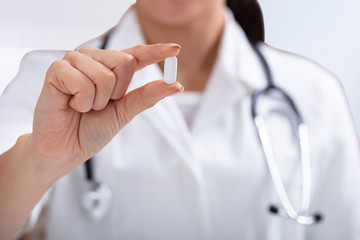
x=123, y=113
x=86, y=49
x=109, y=77
x=139, y=46
x=84, y=88
x=128, y=62
x=71, y=55
x=126, y=65
x=55, y=70
x=57, y=65
x=132, y=62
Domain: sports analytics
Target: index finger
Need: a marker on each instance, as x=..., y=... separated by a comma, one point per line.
x=143, y=55
x=149, y=54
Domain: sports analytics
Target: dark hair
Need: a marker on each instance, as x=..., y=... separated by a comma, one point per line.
x=249, y=15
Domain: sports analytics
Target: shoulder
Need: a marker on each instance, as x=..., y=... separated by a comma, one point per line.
x=294, y=66
x=304, y=78
x=318, y=92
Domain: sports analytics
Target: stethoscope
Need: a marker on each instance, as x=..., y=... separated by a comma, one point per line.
x=96, y=199
x=287, y=210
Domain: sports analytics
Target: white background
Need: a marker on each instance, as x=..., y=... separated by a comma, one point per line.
x=324, y=30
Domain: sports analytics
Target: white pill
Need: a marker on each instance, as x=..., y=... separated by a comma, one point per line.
x=170, y=70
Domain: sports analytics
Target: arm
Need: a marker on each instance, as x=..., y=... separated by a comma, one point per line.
x=21, y=187
x=82, y=106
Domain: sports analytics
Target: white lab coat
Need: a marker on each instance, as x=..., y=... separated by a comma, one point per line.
x=210, y=181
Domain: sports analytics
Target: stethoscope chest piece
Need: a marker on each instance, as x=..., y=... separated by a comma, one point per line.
x=96, y=201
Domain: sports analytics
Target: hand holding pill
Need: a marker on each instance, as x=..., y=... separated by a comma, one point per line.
x=87, y=93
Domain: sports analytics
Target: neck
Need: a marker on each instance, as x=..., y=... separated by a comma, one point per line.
x=199, y=42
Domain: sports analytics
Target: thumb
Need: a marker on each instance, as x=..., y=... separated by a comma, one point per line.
x=143, y=98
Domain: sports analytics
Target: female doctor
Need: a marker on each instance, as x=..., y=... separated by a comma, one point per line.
x=191, y=166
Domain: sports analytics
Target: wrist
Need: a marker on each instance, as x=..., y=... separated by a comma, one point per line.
x=38, y=167
x=22, y=184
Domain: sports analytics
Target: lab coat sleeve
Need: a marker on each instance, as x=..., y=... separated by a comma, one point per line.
x=337, y=186
x=17, y=105
x=346, y=136
x=18, y=101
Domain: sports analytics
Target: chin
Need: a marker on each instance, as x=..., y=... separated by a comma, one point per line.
x=174, y=12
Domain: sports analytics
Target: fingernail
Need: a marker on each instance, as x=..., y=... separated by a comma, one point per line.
x=180, y=89
x=174, y=45
x=180, y=86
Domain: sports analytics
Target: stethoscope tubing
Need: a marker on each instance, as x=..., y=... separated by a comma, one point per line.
x=287, y=210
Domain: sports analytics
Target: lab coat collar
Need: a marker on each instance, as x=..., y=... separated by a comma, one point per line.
x=237, y=57
x=237, y=73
